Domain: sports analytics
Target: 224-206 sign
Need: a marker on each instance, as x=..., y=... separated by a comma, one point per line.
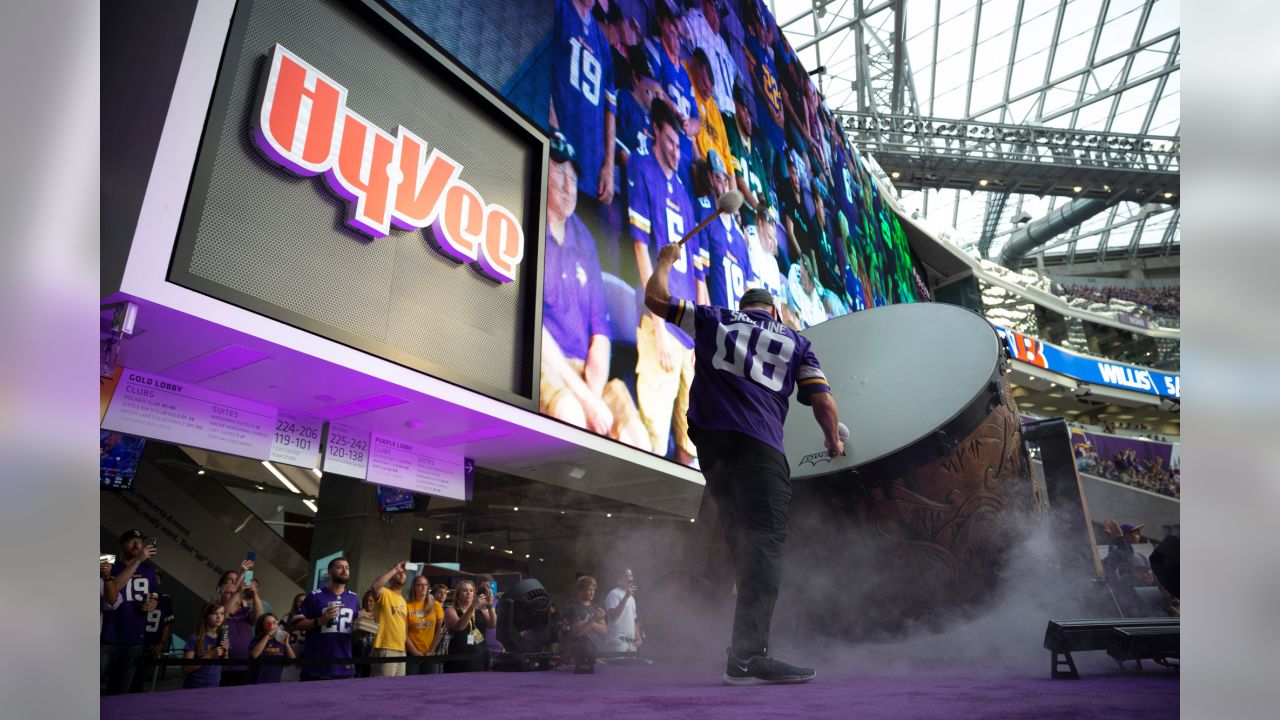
x=303, y=124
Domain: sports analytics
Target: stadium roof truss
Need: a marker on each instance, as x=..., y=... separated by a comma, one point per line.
x=989, y=113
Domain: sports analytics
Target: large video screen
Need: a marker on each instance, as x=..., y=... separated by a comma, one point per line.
x=661, y=106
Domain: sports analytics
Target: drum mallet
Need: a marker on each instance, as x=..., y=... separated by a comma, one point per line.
x=729, y=202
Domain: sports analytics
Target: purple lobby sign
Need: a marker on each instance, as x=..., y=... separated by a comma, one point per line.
x=420, y=468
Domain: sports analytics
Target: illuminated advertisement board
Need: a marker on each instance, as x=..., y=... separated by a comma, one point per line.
x=1090, y=369
x=355, y=182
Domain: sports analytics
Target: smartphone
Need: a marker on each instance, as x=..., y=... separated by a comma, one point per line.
x=251, y=556
x=107, y=559
x=151, y=542
x=414, y=567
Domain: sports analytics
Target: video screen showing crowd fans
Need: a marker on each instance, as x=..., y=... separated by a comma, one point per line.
x=657, y=108
x=118, y=458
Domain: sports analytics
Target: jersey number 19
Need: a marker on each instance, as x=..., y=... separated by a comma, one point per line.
x=584, y=72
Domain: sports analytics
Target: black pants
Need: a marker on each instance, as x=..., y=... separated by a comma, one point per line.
x=750, y=483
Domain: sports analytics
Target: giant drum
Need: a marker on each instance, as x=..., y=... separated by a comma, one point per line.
x=912, y=527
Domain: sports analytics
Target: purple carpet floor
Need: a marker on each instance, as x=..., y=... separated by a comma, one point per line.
x=667, y=692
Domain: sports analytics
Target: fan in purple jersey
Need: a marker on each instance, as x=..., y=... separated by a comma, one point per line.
x=123, y=629
x=243, y=607
x=583, y=103
x=635, y=134
x=576, y=340
x=327, y=616
x=728, y=265
x=747, y=365
x=160, y=617
x=659, y=214
x=676, y=82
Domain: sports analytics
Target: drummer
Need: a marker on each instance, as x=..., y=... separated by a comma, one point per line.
x=746, y=364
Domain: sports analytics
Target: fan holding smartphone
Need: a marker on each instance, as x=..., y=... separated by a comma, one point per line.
x=243, y=606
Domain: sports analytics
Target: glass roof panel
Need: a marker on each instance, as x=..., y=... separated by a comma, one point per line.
x=1165, y=16
x=1117, y=34
x=1072, y=52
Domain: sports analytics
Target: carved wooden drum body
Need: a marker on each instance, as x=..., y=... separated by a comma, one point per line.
x=914, y=525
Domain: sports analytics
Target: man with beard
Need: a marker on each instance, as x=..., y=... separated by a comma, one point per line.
x=327, y=616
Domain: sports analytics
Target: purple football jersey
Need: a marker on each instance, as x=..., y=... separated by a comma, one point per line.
x=127, y=625
x=745, y=366
x=334, y=639
x=573, y=306
x=153, y=631
x=728, y=262
x=582, y=88
x=660, y=214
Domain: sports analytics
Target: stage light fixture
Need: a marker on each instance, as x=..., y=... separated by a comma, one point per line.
x=524, y=618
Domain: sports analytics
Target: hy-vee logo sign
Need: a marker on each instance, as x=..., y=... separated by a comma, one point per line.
x=304, y=125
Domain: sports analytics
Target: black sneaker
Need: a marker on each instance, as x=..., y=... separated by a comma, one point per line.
x=762, y=669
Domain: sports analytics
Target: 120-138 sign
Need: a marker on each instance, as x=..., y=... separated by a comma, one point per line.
x=303, y=124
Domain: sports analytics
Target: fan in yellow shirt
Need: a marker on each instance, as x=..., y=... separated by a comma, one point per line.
x=391, y=612
x=425, y=618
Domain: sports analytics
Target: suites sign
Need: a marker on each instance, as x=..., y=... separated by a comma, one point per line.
x=302, y=123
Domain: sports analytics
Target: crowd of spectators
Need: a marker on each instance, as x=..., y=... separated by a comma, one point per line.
x=1124, y=466
x=658, y=108
x=410, y=624
x=1162, y=300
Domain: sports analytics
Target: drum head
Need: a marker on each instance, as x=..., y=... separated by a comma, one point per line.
x=897, y=373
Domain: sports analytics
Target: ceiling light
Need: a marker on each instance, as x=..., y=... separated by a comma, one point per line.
x=895, y=174
x=608, y=514
x=280, y=476
x=526, y=556
x=1077, y=188
x=311, y=504
x=468, y=542
x=1106, y=188
x=983, y=182
x=437, y=537
x=420, y=529
x=515, y=509
x=259, y=487
x=200, y=471
x=693, y=520
x=491, y=547
x=447, y=536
